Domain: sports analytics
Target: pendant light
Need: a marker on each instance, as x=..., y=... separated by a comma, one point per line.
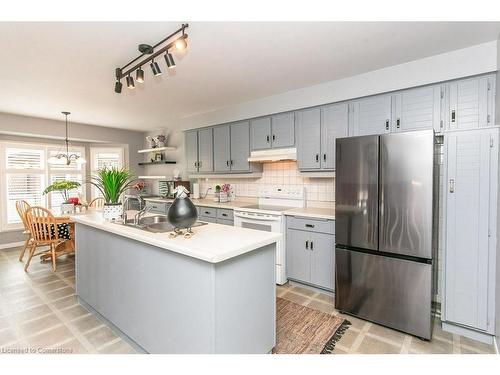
x=169, y=59
x=139, y=77
x=155, y=68
x=130, y=82
x=66, y=158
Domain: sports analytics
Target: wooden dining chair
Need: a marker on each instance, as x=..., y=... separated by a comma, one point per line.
x=97, y=202
x=22, y=207
x=43, y=228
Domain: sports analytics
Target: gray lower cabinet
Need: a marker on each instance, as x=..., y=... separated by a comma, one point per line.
x=310, y=252
x=317, y=130
x=158, y=207
x=200, y=150
x=215, y=215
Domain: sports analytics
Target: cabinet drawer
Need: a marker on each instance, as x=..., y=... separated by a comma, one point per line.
x=207, y=219
x=208, y=212
x=157, y=207
x=225, y=222
x=311, y=225
x=224, y=214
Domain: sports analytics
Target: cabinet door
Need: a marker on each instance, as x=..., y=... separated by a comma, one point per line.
x=418, y=109
x=372, y=115
x=309, y=135
x=467, y=192
x=240, y=147
x=334, y=124
x=283, y=130
x=205, y=150
x=260, y=133
x=222, y=155
x=322, y=260
x=469, y=106
x=191, y=144
x=298, y=257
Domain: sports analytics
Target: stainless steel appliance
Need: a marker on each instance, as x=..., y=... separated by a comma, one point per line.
x=383, y=228
x=267, y=215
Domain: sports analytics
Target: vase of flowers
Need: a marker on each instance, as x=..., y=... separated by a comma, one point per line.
x=112, y=183
x=140, y=186
x=64, y=187
x=216, y=193
x=224, y=193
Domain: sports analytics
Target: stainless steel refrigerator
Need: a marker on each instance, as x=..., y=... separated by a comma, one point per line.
x=383, y=229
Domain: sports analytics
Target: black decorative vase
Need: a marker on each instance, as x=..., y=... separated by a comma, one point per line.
x=182, y=213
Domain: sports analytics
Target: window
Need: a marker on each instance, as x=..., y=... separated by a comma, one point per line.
x=25, y=173
x=105, y=157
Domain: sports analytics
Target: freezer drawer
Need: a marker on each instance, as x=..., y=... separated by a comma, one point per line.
x=390, y=291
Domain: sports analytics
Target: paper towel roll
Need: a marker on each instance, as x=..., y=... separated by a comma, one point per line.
x=196, y=191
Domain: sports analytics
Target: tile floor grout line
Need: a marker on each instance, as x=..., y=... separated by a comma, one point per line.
x=405, y=348
x=83, y=340
x=112, y=342
x=456, y=344
x=355, y=345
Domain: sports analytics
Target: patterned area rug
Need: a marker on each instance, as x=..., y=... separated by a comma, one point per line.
x=301, y=330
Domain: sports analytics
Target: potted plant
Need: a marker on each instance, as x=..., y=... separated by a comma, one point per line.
x=64, y=187
x=217, y=193
x=112, y=183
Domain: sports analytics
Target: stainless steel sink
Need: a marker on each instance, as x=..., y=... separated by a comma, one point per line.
x=150, y=220
x=156, y=224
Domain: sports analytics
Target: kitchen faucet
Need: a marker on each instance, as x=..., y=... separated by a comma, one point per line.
x=139, y=214
x=206, y=193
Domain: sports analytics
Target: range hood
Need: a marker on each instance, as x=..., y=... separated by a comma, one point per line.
x=278, y=154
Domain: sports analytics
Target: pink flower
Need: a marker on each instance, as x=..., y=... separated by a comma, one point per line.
x=225, y=188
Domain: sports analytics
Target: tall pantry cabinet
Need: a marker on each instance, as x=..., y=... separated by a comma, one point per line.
x=470, y=212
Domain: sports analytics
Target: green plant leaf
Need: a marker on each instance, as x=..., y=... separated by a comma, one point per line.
x=112, y=182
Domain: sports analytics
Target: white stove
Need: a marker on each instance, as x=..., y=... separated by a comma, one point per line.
x=267, y=215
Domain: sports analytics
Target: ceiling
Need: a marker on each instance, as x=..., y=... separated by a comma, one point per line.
x=50, y=67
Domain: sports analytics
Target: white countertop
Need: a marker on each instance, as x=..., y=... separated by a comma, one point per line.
x=212, y=243
x=312, y=212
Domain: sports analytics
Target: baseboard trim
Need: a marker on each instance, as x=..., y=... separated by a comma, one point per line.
x=497, y=350
x=12, y=244
x=470, y=333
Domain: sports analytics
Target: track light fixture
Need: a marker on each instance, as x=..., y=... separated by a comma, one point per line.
x=140, y=75
x=173, y=40
x=155, y=68
x=130, y=82
x=169, y=59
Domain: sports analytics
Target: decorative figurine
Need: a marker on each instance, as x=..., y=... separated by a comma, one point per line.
x=182, y=214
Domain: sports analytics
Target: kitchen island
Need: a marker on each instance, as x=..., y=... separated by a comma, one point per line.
x=212, y=293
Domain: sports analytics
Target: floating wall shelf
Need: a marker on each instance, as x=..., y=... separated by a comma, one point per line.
x=158, y=162
x=156, y=149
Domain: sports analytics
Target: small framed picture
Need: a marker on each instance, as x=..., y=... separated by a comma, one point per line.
x=159, y=157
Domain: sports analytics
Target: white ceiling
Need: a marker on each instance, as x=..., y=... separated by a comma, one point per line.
x=50, y=67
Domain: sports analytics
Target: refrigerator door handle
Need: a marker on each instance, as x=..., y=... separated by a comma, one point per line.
x=452, y=185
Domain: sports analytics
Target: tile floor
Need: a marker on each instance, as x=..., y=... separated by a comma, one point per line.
x=39, y=313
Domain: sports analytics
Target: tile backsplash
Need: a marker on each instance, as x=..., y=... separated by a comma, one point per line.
x=278, y=173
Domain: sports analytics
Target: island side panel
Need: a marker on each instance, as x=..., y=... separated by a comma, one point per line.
x=245, y=307
x=161, y=300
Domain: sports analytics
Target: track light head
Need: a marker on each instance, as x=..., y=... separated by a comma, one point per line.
x=140, y=75
x=169, y=59
x=118, y=87
x=130, y=82
x=181, y=43
x=155, y=68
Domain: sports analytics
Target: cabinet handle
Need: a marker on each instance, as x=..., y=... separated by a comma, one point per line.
x=398, y=123
x=207, y=212
x=317, y=158
x=195, y=164
x=309, y=225
x=267, y=137
x=307, y=245
x=386, y=124
x=224, y=214
x=231, y=162
x=324, y=157
x=312, y=245
x=453, y=115
x=274, y=137
x=227, y=163
x=452, y=185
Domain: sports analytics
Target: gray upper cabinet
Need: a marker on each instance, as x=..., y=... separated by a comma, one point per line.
x=470, y=103
x=418, y=109
x=372, y=115
x=471, y=169
x=205, y=150
x=334, y=124
x=240, y=147
x=317, y=130
x=283, y=130
x=309, y=138
x=191, y=145
x=260, y=133
x=222, y=150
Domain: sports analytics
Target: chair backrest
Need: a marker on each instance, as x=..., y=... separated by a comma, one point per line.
x=42, y=224
x=22, y=207
x=97, y=202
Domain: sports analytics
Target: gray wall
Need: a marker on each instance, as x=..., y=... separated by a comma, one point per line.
x=37, y=130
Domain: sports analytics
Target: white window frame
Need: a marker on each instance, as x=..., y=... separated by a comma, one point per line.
x=94, y=192
x=46, y=172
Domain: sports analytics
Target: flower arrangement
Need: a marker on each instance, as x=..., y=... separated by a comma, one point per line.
x=226, y=188
x=139, y=185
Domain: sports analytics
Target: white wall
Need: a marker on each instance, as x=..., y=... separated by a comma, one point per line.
x=469, y=61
